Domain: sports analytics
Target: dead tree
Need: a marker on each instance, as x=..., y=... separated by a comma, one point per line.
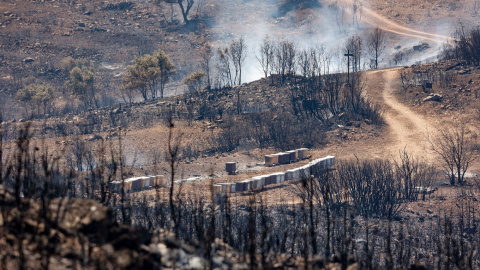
x=415, y=176
x=266, y=55
x=207, y=54
x=455, y=148
x=172, y=156
x=223, y=66
x=238, y=51
x=354, y=46
x=376, y=44
x=185, y=6
x=285, y=55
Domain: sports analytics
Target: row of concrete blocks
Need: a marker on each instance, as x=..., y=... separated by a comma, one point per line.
x=189, y=180
x=138, y=183
x=145, y=182
x=276, y=178
x=286, y=157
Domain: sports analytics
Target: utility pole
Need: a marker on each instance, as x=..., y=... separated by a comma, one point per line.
x=348, y=55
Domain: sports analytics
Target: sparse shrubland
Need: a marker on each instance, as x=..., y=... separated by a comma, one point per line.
x=38, y=95
x=465, y=47
x=57, y=209
x=356, y=213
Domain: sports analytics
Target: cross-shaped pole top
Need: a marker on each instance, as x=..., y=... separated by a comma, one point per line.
x=348, y=55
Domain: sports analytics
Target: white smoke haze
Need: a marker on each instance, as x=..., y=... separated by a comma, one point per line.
x=326, y=24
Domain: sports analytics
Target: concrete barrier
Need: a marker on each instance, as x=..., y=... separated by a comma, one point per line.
x=263, y=180
x=248, y=184
x=303, y=172
x=116, y=186
x=136, y=183
x=159, y=180
x=188, y=180
x=255, y=183
x=276, y=178
x=273, y=179
x=226, y=187
x=244, y=185
x=147, y=182
x=283, y=158
x=302, y=153
x=289, y=175
x=239, y=187
x=286, y=157
x=269, y=160
x=332, y=160
x=293, y=155
x=128, y=186
x=280, y=177
x=231, y=167
x=266, y=179
x=217, y=189
x=275, y=158
x=258, y=182
x=233, y=187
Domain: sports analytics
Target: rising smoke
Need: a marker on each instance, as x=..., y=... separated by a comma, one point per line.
x=326, y=24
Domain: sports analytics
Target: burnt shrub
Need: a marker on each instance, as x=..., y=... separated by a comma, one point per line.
x=118, y=6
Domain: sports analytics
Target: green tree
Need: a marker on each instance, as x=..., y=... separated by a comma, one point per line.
x=81, y=84
x=39, y=95
x=135, y=79
x=194, y=81
x=143, y=75
x=149, y=74
x=68, y=63
x=166, y=68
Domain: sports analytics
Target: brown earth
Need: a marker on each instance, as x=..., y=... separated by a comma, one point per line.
x=407, y=125
x=407, y=129
x=373, y=17
x=59, y=235
x=408, y=121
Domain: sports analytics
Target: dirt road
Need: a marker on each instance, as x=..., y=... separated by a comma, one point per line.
x=369, y=16
x=406, y=129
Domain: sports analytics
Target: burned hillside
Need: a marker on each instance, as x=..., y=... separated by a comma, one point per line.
x=151, y=134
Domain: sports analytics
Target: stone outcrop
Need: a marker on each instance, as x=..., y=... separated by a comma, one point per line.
x=433, y=97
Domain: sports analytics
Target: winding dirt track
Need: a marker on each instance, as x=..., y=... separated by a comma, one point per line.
x=406, y=129
x=370, y=17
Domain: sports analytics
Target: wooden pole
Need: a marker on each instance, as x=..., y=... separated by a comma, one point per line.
x=348, y=55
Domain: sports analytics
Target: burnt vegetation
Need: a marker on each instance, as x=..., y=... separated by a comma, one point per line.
x=465, y=46
x=57, y=205
x=355, y=215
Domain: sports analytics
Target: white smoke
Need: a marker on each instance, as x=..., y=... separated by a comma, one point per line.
x=326, y=23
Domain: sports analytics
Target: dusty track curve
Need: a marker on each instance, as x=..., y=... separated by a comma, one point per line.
x=377, y=20
x=406, y=129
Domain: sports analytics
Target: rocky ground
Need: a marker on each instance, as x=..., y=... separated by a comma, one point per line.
x=83, y=234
